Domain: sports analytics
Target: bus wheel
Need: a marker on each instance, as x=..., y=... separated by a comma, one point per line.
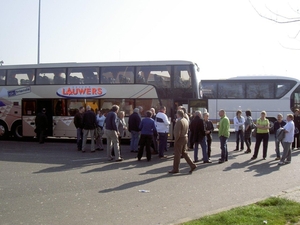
x=17, y=130
x=4, y=128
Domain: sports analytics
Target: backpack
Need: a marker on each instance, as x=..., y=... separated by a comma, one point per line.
x=280, y=134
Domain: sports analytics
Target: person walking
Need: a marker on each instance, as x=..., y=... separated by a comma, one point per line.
x=41, y=124
x=89, y=125
x=248, y=130
x=198, y=136
x=180, y=143
x=289, y=130
x=78, y=122
x=239, y=122
x=209, y=130
x=100, y=119
x=147, y=128
x=154, y=138
x=122, y=127
x=162, y=126
x=279, y=123
x=224, y=126
x=134, y=121
x=262, y=135
x=112, y=133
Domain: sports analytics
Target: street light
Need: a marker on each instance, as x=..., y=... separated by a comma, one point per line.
x=1, y=62
x=39, y=22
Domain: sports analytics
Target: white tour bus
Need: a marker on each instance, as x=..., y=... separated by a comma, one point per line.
x=274, y=94
x=62, y=88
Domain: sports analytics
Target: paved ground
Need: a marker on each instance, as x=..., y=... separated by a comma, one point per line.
x=55, y=184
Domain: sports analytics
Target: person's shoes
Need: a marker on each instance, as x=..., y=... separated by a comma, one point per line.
x=264, y=158
x=132, y=151
x=139, y=159
x=287, y=162
x=241, y=149
x=248, y=151
x=221, y=161
x=173, y=171
x=110, y=159
x=281, y=163
x=235, y=150
x=208, y=161
x=277, y=158
x=253, y=158
x=163, y=157
x=192, y=169
x=196, y=161
x=119, y=160
x=97, y=149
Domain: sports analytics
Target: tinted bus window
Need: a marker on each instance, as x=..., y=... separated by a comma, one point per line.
x=283, y=87
x=83, y=76
x=182, y=77
x=209, y=89
x=20, y=77
x=260, y=90
x=159, y=76
x=2, y=77
x=231, y=90
x=51, y=76
x=117, y=75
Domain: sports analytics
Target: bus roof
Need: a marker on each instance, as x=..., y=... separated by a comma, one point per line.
x=99, y=64
x=255, y=77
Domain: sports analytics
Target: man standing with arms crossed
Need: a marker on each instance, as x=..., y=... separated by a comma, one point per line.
x=224, y=134
x=180, y=145
x=162, y=126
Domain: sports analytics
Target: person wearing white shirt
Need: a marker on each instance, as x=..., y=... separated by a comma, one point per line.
x=238, y=122
x=162, y=126
x=288, y=140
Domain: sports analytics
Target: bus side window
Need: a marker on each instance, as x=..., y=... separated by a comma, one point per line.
x=59, y=78
x=12, y=80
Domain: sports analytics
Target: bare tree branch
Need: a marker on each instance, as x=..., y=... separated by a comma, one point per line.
x=274, y=20
x=296, y=49
x=284, y=17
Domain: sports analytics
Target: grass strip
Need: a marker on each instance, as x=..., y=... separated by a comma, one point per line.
x=272, y=211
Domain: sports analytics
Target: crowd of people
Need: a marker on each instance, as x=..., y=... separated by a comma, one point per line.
x=151, y=131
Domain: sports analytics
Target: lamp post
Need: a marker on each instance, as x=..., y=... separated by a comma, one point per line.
x=39, y=23
x=1, y=62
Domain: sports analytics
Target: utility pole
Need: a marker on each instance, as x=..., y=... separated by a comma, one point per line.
x=39, y=23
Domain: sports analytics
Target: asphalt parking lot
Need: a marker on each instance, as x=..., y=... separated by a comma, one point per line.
x=53, y=183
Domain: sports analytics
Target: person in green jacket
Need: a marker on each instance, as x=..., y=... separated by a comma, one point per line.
x=224, y=134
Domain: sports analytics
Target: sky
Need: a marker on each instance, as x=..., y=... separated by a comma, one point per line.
x=225, y=38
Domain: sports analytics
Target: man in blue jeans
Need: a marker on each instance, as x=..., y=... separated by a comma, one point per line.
x=162, y=126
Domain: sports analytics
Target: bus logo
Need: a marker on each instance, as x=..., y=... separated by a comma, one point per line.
x=82, y=91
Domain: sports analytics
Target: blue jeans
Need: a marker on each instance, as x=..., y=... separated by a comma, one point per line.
x=277, y=147
x=134, y=142
x=163, y=139
x=239, y=135
x=223, y=146
x=204, y=149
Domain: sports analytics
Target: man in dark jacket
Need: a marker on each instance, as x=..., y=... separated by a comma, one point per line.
x=134, y=121
x=89, y=125
x=198, y=136
x=78, y=122
x=41, y=124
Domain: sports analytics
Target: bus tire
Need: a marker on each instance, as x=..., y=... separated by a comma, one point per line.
x=4, y=127
x=17, y=130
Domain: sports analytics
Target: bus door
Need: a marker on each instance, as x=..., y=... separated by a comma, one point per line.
x=48, y=105
x=28, y=117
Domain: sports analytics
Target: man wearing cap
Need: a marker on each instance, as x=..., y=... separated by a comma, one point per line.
x=41, y=124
